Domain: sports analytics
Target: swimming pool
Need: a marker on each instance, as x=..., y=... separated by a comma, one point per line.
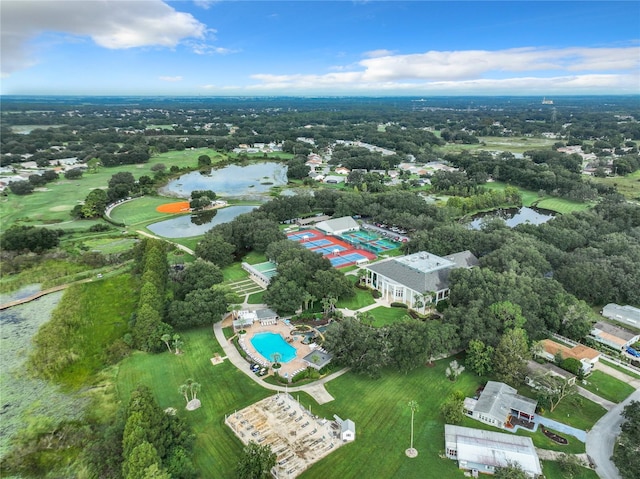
x=269, y=343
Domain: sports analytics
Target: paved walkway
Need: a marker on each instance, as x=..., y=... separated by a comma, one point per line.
x=315, y=389
x=579, y=434
x=618, y=375
x=608, y=405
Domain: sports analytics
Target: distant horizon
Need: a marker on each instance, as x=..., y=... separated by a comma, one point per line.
x=319, y=48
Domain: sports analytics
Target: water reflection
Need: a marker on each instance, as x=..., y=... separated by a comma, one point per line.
x=184, y=227
x=512, y=217
x=234, y=181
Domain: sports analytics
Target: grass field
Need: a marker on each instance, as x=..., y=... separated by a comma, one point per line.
x=514, y=145
x=531, y=198
x=622, y=370
x=608, y=387
x=551, y=470
x=361, y=299
x=52, y=204
x=386, y=315
x=628, y=185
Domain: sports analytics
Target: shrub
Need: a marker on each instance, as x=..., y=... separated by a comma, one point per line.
x=99, y=228
x=376, y=294
x=399, y=305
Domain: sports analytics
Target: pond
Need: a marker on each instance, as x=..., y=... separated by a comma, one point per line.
x=185, y=227
x=512, y=217
x=234, y=181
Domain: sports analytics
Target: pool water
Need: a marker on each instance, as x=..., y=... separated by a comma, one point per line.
x=268, y=343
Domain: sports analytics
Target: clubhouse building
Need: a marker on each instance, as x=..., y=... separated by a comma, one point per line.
x=416, y=278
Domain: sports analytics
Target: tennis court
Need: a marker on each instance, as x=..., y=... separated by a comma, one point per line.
x=370, y=241
x=339, y=252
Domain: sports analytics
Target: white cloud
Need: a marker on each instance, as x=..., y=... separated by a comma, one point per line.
x=377, y=53
x=566, y=69
x=206, y=4
x=170, y=79
x=110, y=24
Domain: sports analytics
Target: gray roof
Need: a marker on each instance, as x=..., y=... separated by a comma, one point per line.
x=548, y=368
x=411, y=278
x=464, y=259
x=626, y=314
x=266, y=313
x=498, y=399
x=319, y=358
x=621, y=333
x=338, y=224
x=348, y=425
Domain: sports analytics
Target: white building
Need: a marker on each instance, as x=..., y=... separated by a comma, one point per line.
x=613, y=336
x=481, y=451
x=338, y=226
x=498, y=404
x=622, y=314
x=347, y=429
x=412, y=279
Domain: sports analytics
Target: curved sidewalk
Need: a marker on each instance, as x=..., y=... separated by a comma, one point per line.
x=315, y=389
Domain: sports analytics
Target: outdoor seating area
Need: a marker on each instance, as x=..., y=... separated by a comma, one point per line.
x=295, y=435
x=254, y=357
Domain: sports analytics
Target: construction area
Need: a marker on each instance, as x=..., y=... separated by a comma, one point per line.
x=295, y=435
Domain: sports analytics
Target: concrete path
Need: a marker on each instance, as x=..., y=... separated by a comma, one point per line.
x=618, y=375
x=562, y=428
x=608, y=405
x=177, y=245
x=315, y=389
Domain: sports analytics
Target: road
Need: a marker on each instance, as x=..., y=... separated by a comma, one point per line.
x=602, y=437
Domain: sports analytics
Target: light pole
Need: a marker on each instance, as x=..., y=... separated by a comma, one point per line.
x=411, y=452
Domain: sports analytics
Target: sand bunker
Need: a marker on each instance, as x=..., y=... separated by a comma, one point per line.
x=178, y=207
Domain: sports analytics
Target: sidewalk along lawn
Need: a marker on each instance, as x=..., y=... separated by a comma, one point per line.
x=607, y=387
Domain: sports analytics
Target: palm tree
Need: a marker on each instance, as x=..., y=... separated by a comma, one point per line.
x=414, y=407
x=165, y=339
x=184, y=390
x=276, y=358
x=194, y=388
x=177, y=343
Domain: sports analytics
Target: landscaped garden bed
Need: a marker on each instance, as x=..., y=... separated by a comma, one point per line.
x=553, y=436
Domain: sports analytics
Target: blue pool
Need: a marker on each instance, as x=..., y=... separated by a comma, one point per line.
x=268, y=343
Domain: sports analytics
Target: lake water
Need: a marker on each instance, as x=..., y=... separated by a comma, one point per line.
x=184, y=227
x=234, y=181
x=512, y=217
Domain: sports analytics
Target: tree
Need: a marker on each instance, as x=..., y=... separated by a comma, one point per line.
x=165, y=339
x=29, y=238
x=625, y=454
x=511, y=355
x=256, y=462
x=21, y=187
x=142, y=457
x=453, y=408
x=200, y=274
x=512, y=470
x=570, y=465
x=479, y=357
x=204, y=160
x=94, y=204
x=215, y=249
x=413, y=405
x=177, y=343
x=552, y=389
x=74, y=174
x=454, y=370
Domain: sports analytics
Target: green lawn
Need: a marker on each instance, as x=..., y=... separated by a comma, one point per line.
x=551, y=470
x=140, y=212
x=256, y=298
x=531, y=198
x=361, y=299
x=628, y=185
x=386, y=315
x=607, y=387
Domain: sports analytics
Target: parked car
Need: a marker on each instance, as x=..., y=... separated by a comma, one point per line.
x=633, y=352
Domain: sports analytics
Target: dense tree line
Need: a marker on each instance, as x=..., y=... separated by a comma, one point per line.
x=30, y=239
x=625, y=454
x=148, y=326
x=404, y=346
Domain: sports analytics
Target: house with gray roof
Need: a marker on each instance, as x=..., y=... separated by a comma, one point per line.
x=418, y=278
x=482, y=451
x=622, y=314
x=498, y=404
x=613, y=336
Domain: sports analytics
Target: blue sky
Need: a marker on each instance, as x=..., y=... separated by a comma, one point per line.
x=213, y=48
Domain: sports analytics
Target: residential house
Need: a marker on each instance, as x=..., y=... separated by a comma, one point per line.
x=622, y=314
x=417, y=278
x=341, y=170
x=347, y=429
x=536, y=371
x=334, y=180
x=498, y=404
x=613, y=336
x=481, y=451
x=587, y=356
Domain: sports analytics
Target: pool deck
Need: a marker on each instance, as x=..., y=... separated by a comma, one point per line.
x=288, y=368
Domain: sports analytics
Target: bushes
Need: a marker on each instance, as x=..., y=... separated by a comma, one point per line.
x=376, y=294
x=399, y=305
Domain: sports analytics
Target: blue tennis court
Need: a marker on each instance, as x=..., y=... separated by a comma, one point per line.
x=316, y=244
x=301, y=236
x=348, y=258
x=330, y=249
